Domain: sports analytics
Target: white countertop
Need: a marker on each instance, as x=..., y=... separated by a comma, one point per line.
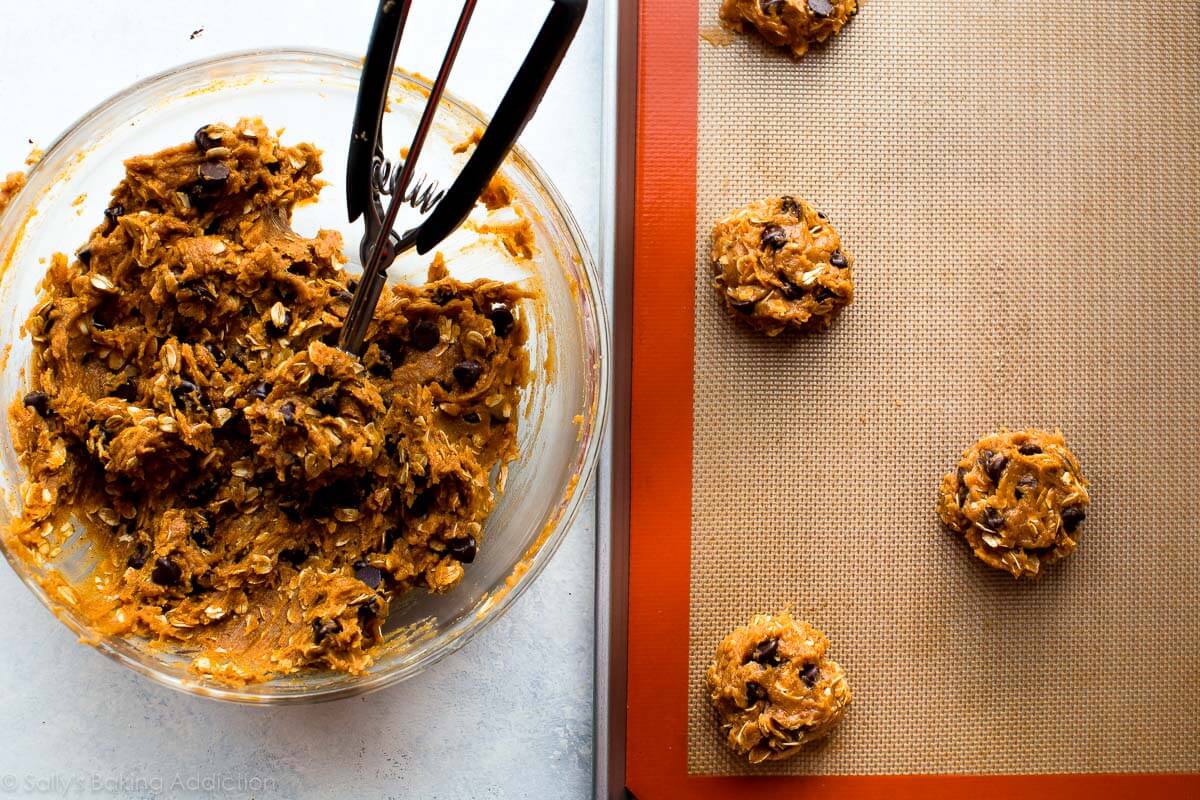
x=510, y=715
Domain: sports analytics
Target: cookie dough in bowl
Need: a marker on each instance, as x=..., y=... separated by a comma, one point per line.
x=1018, y=499
x=269, y=519
x=779, y=265
x=794, y=24
x=252, y=492
x=774, y=688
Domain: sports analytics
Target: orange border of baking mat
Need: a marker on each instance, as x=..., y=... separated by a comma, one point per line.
x=661, y=473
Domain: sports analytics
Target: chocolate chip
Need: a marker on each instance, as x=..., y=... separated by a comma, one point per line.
x=369, y=575
x=1030, y=449
x=127, y=391
x=822, y=8
x=84, y=255
x=38, y=401
x=774, y=237
x=810, y=674
x=201, y=533
x=789, y=206
x=425, y=335
x=754, y=693
x=280, y=323
x=471, y=418
x=838, y=260
x=201, y=290
x=766, y=652
x=1071, y=517
x=369, y=609
x=1026, y=483
x=994, y=464
x=367, y=613
x=137, y=559
x=993, y=518
x=288, y=412
x=323, y=628
x=383, y=366
x=502, y=320
x=391, y=536
x=213, y=172
x=962, y=487
x=463, y=550
x=166, y=572
x=216, y=352
x=204, y=491
x=293, y=555
x=824, y=293
x=259, y=391
x=443, y=295
x=467, y=373
x=183, y=389
x=345, y=493
x=328, y=405
x=742, y=306
x=422, y=503
x=113, y=212
x=205, y=140
x=318, y=382
x=238, y=426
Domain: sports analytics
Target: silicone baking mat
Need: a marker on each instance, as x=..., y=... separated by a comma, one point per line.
x=1020, y=185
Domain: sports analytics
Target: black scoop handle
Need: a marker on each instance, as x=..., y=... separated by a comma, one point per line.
x=515, y=110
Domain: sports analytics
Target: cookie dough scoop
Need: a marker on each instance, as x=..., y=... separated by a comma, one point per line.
x=370, y=176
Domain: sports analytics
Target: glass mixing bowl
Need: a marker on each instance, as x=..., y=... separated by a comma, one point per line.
x=311, y=95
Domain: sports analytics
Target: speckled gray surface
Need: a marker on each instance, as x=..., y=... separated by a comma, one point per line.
x=509, y=716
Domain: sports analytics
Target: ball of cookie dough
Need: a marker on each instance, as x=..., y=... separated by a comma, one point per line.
x=773, y=688
x=779, y=264
x=795, y=24
x=1018, y=499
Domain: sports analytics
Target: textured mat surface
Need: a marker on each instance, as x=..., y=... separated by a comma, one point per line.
x=1020, y=184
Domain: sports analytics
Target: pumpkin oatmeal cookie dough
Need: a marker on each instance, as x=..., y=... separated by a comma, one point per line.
x=1018, y=500
x=774, y=689
x=794, y=24
x=779, y=264
x=254, y=495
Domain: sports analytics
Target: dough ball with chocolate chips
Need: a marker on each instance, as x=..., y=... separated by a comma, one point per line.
x=774, y=689
x=779, y=264
x=1018, y=499
x=794, y=24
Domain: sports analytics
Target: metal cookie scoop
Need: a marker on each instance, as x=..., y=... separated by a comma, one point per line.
x=370, y=176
